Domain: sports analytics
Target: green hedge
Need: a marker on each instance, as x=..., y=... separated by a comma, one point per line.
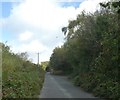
x=20, y=78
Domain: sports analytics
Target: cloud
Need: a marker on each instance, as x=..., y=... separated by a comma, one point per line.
x=32, y=47
x=25, y=36
x=43, y=15
x=90, y=5
x=69, y=0
x=36, y=25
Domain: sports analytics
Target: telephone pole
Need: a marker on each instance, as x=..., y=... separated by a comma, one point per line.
x=38, y=59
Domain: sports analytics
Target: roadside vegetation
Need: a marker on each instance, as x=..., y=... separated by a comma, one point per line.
x=20, y=77
x=90, y=54
x=44, y=65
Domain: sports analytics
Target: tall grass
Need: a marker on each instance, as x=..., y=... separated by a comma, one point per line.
x=20, y=78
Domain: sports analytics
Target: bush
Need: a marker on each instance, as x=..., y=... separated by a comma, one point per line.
x=20, y=78
x=108, y=89
x=77, y=81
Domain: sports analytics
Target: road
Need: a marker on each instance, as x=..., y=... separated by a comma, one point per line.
x=60, y=87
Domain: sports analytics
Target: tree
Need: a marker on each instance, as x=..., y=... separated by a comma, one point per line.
x=23, y=56
x=91, y=51
x=64, y=30
x=58, y=60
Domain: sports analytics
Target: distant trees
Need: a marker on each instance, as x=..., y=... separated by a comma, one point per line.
x=58, y=60
x=90, y=53
x=44, y=65
x=23, y=56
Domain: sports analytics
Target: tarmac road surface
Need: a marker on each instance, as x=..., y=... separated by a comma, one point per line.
x=60, y=87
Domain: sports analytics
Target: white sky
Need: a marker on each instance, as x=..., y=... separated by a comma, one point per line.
x=36, y=25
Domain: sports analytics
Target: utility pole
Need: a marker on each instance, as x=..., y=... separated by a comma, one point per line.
x=38, y=63
x=38, y=59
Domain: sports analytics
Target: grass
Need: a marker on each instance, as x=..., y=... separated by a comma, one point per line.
x=20, y=78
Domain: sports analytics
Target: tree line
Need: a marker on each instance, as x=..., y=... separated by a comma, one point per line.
x=90, y=53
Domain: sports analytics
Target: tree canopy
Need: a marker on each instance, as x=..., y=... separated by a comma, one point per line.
x=90, y=52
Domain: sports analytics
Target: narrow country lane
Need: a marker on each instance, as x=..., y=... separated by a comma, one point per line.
x=60, y=87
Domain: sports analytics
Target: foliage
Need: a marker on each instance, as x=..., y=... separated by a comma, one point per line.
x=44, y=65
x=20, y=77
x=90, y=53
x=58, y=61
x=111, y=5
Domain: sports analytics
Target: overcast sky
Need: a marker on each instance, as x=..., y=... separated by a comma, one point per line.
x=35, y=25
